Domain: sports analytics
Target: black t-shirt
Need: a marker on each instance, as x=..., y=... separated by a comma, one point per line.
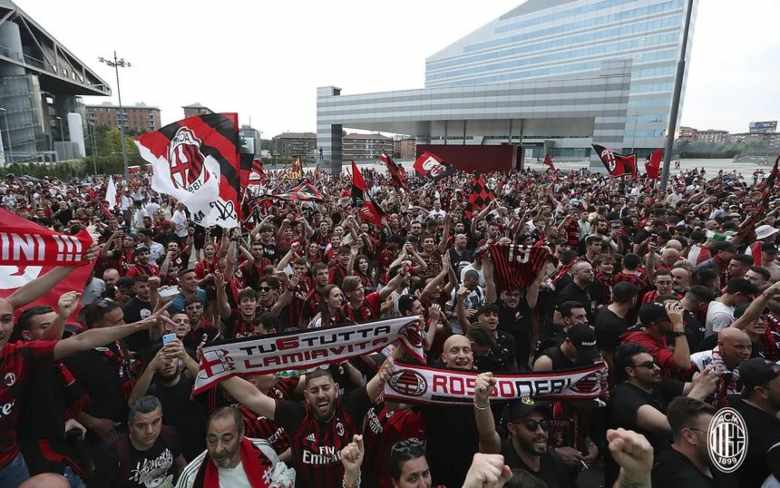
x=100, y=373
x=155, y=467
x=573, y=293
x=500, y=358
x=673, y=470
x=187, y=416
x=451, y=434
x=763, y=437
x=551, y=474
x=135, y=310
x=694, y=331
x=609, y=327
x=517, y=323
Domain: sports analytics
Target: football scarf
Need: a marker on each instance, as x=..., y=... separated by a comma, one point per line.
x=420, y=384
x=257, y=472
x=197, y=161
x=305, y=349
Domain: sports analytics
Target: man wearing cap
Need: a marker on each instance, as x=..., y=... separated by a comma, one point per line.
x=759, y=406
x=499, y=356
x=658, y=321
x=765, y=234
x=722, y=253
x=577, y=349
x=142, y=266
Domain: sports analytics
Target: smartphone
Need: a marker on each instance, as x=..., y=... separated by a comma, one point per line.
x=168, y=338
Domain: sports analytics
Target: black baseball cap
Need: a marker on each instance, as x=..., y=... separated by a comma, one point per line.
x=521, y=408
x=487, y=308
x=650, y=313
x=583, y=337
x=757, y=372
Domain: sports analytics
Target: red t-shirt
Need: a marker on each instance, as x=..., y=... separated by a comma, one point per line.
x=16, y=359
x=658, y=348
x=367, y=311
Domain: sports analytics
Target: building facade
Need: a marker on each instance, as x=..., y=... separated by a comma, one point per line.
x=557, y=73
x=250, y=139
x=366, y=147
x=41, y=82
x=137, y=118
x=404, y=148
x=296, y=145
x=195, y=109
x=713, y=136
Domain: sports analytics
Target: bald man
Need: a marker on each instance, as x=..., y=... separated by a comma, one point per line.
x=17, y=359
x=734, y=346
x=46, y=480
x=578, y=289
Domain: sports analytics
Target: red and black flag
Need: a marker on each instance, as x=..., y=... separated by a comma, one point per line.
x=549, y=162
x=397, y=173
x=304, y=192
x=429, y=164
x=197, y=161
x=653, y=164
x=616, y=164
x=479, y=197
x=771, y=181
x=257, y=174
x=369, y=211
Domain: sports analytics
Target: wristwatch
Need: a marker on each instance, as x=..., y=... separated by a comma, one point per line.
x=678, y=334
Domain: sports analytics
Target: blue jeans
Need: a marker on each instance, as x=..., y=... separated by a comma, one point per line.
x=15, y=473
x=73, y=478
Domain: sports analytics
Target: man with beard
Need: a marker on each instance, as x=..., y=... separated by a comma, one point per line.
x=149, y=454
x=170, y=376
x=759, y=406
x=142, y=266
x=681, y=280
x=687, y=462
x=577, y=290
x=138, y=308
x=658, y=322
x=319, y=428
x=233, y=460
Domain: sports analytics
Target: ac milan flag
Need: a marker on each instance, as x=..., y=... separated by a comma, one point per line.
x=429, y=164
x=549, y=162
x=397, y=173
x=197, y=161
x=28, y=250
x=369, y=210
x=480, y=195
x=305, y=192
x=616, y=164
x=653, y=164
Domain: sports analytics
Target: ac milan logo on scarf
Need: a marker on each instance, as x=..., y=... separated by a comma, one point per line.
x=589, y=384
x=408, y=382
x=186, y=160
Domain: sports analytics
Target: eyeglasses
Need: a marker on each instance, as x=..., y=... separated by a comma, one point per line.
x=533, y=425
x=647, y=364
x=264, y=289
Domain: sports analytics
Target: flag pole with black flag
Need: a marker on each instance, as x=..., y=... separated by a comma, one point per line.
x=369, y=210
x=616, y=164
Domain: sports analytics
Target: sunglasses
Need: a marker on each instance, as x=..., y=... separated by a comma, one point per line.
x=647, y=364
x=264, y=289
x=533, y=425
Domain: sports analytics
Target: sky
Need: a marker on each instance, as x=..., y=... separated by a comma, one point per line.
x=265, y=59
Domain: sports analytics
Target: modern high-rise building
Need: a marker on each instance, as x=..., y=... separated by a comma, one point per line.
x=555, y=74
x=40, y=86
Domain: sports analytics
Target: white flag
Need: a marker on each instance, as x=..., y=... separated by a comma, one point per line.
x=111, y=193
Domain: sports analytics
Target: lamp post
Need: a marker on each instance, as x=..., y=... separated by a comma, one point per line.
x=672, y=127
x=117, y=63
x=91, y=128
x=8, y=135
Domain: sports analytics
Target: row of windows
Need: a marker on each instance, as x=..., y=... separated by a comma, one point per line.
x=645, y=119
x=602, y=50
x=645, y=133
x=642, y=87
x=576, y=12
x=654, y=71
x=632, y=29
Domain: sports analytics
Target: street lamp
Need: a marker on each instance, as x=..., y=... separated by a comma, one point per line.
x=91, y=129
x=117, y=63
x=8, y=135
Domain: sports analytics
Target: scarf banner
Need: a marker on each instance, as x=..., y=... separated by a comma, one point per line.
x=418, y=384
x=24, y=243
x=304, y=349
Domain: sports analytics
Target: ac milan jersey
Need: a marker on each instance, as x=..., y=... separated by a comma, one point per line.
x=316, y=445
x=517, y=266
x=16, y=359
x=381, y=432
x=260, y=427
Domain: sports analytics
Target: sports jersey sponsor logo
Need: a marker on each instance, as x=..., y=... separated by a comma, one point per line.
x=325, y=455
x=727, y=437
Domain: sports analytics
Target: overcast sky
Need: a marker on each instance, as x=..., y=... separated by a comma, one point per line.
x=265, y=59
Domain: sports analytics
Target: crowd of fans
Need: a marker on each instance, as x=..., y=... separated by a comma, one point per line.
x=678, y=293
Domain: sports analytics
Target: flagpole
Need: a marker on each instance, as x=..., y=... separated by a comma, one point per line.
x=672, y=127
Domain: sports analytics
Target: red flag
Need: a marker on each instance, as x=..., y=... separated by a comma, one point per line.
x=30, y=250
x=429, y=164
x=397, y=173
x=653, y=164
x=549, y=162
x=197, y=161
x=369, y=211
x=616, y=164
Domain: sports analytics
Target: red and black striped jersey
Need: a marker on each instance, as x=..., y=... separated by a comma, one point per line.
x=16, y=359
x=384, y=427
x=260, y=427
x=316, y=445
x=517, y=266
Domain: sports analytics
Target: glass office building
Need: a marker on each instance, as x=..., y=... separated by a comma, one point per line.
x=567, y=73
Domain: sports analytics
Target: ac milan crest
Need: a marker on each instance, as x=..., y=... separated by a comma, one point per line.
x=186, y=160
x=609, y=157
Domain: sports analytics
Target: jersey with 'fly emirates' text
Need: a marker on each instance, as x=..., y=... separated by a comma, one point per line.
x=16, y=360
x=316, y=445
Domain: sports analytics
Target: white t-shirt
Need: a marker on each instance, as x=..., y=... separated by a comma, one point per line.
x=719, y=316
x=179, y=219
x=233, y=477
